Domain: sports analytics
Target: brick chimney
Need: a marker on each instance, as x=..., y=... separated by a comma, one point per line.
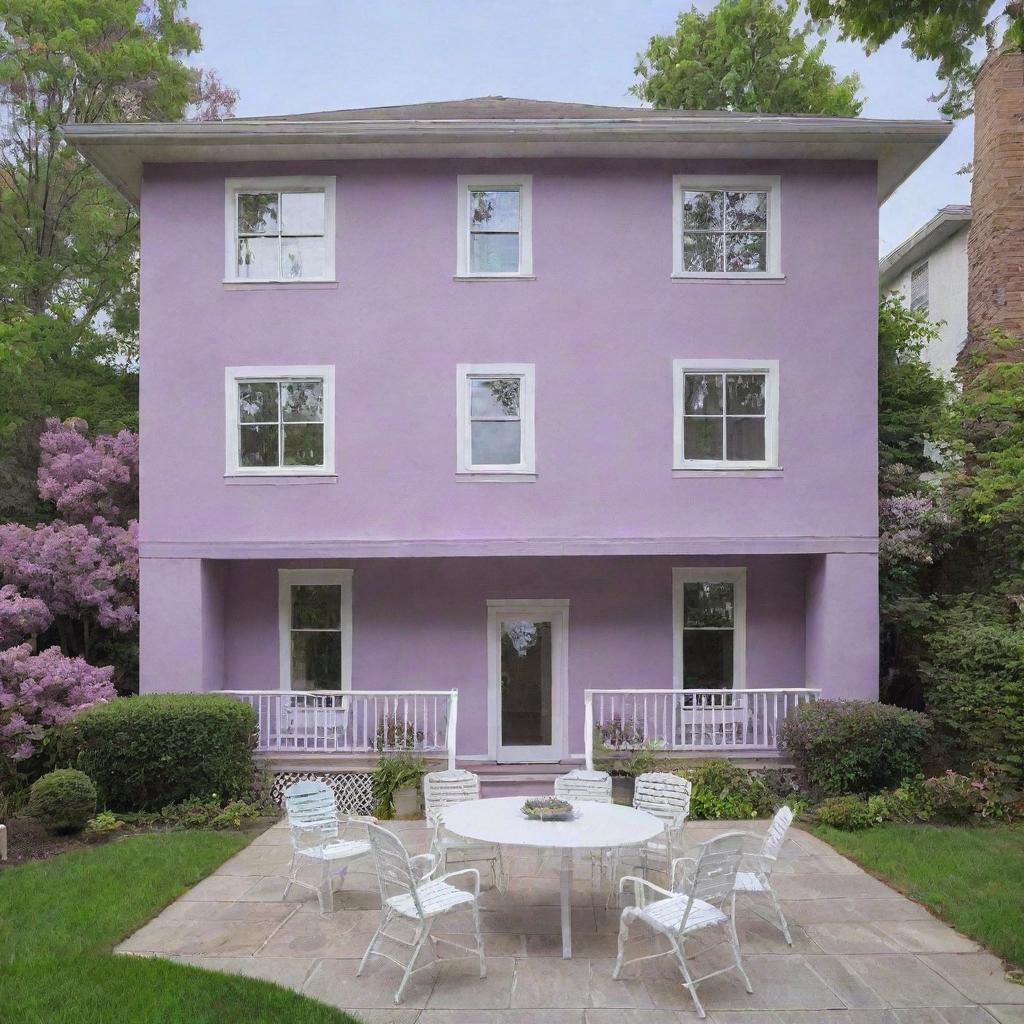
x=995, y=247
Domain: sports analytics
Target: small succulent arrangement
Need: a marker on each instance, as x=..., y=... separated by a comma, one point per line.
x=548, y=809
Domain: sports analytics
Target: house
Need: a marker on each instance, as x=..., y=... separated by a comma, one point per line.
x=929, y=272
x=566, y=410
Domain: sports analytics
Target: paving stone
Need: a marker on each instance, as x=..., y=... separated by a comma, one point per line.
x=762, y=935
x=945, y=1015
x=459, y=986
x=221, y=887
x=815, y=887
x=927, y=937
x=846, y=983
x=1007, y=1013
x=216, y=938
x=290, y=972
x=501, y=1017
x=836, y=1017
x=335, y=982
x=193, y=910
x=340, y=936
x=258, y=860
x=903, y=980
x=550, y=983
x=628, y=992
x=979, y=976
x=852, y=937
x=584, y=945
x=390, y=1015
x=627, y=1016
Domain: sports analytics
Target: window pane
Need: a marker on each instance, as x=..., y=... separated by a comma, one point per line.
x=302, y=400
x=258, y=258
x=744, y=393
x=494, y=211
x=707, y=659
x=702, y=210
x=257, y=214
x=744, y=439
x=707, y=604
x=526, y=683
x=304, y=444
x=745, y=253
x=496, y=443
x=316, y=661
x=746, y=211
x=702, y=254
x=257, y=446
x=493, y=254
x=704, y=393
x=257, y=402
x=303, y=257
x=702, y=438
x=316, y=606
x=302, y=213
x=490, y=398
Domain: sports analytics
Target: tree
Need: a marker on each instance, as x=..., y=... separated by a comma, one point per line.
x=934, y=30
x=744, y=55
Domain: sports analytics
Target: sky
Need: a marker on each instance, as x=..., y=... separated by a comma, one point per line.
x=304, y=55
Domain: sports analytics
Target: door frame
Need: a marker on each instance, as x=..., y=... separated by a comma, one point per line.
x=557, y=612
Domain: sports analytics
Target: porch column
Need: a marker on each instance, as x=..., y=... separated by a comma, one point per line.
x=841, y=638
x=181, y=639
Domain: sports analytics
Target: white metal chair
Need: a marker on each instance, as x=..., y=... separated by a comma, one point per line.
x=758, y=880
x=416, y=897
x=580, y=784
x=679, y=915
x=455, y=786
x=316, y=836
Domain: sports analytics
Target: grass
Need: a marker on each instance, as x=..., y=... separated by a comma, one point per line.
x=973, y=878
x=60, y=919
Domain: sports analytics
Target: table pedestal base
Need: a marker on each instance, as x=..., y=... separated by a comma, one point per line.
x=566, y=884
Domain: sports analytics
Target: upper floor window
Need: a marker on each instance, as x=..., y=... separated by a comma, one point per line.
x=726, y=414
x=919, y=288
x=279, y=229
x=495, y=418
x=280, y=420
x=495, y=218
x=726, y=226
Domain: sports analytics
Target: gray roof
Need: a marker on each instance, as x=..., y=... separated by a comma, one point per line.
x=926, y=239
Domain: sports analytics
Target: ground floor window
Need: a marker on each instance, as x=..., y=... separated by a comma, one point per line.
x=315, y=607
x=709, y=626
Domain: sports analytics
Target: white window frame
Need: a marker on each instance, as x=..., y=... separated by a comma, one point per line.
x=464, y=374
x=737, y=576
x=288, y=578
x=770, y=183
x=233, y=375
x=291, y=183
x=466, y=184
x=921, y=303
x=769, y=367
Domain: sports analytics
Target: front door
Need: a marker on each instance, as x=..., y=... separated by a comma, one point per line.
x=527, y=658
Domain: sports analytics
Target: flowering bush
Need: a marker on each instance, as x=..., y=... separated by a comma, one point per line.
x=21, y=617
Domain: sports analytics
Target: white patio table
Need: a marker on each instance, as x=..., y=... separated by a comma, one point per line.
x=499, y=821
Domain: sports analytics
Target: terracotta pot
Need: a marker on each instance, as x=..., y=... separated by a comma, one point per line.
x=407, y=802
x=622, y=789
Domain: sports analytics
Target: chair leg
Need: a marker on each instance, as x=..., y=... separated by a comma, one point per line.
x=423, y=934
x=479, y=940
x=688, y=982
x=623, y=939
x=293, y=871
x=325, y=894
x=373, y=942
x=502, y=882
x=734, y=943
x=784, y=927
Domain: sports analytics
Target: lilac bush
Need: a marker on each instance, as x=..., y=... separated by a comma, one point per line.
x=21, y=617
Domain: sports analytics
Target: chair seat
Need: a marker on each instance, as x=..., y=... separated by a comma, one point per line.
x=667, y=913
x=345, y=850
x=434, y=897
x=748, y=881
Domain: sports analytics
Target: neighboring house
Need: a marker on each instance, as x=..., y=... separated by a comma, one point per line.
x=929, y=272
x=515, y=399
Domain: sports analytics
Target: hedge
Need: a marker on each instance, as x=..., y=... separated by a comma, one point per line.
x=163, y=748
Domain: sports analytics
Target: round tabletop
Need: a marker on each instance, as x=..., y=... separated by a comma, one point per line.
x=500, y=821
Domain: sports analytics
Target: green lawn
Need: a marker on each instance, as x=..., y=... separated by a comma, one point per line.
x=971, y=877
x=60, y=918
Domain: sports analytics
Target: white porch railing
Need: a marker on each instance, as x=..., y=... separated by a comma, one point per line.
x=354, y=721
x=687, y=720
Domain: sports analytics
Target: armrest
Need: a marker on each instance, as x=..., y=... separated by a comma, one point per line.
x=429, y=862
x=639, y=887
x=465, y=871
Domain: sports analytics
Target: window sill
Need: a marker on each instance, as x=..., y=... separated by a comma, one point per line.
x=280, y=479
x=248, y=286
x=767, y=472
x=496, y=478
x=732, y=278
x=494, y=277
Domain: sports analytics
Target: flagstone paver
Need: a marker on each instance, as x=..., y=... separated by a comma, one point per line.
x=861, y=953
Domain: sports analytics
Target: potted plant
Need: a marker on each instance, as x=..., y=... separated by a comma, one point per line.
x=396, y=782
x=620, y=737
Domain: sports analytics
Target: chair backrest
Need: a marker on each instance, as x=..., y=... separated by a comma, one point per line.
x=714, y=875
x=776, y=834
x=580, y=784
x=395, y=875
x=312, y=813
x=664, y=795
x=450, y=787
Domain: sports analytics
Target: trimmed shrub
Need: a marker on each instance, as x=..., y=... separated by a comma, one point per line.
x=722, y=789
x=848, y=813
x=166, y=748
x=954, y=798
x=63, y=801
x=854, y=746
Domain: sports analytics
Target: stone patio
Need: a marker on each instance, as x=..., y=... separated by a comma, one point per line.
x=861, y=954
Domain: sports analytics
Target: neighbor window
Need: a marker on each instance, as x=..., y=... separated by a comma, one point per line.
x=726, y=414
x=726, y=226
x=495, y=418
x=279, y=229
x=280, y=420
x=709, y=608
x=919, y=288
x=315, y=609
x=494, y=226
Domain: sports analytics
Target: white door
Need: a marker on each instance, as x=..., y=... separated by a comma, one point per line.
x=528, y=667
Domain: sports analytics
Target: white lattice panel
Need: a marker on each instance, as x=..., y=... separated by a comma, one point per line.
x=352, y=791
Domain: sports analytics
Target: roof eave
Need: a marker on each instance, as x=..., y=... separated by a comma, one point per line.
x=946, y=223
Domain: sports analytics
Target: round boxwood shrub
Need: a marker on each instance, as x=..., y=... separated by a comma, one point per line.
x=849, y=813
x=854, y=746
x=164, y=748
x=722, y=789
x=63, y=801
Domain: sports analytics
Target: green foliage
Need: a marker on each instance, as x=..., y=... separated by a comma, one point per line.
x=640, y=761
x=722, y=789
x=212, y=812
x=747, y=55
x=953, y=798
x=149, y=751
x=394, y=733
x=846, y=813
x=856, y=746
x=907, y=803
x=394, y=772
x=105, y=824
x=63, y=800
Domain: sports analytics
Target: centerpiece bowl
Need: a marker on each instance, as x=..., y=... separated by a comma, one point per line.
x=548, y=809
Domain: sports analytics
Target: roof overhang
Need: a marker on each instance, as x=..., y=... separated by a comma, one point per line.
x=119, y=151
x=946, y=223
